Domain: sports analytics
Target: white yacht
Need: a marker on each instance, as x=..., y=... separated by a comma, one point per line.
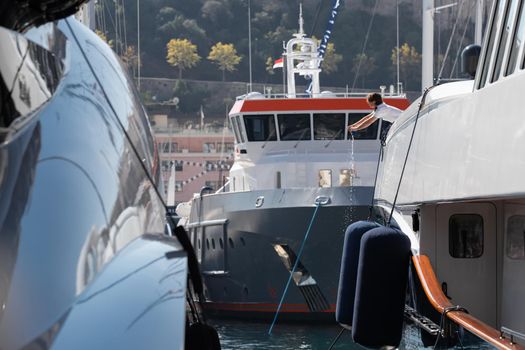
x=461, y=196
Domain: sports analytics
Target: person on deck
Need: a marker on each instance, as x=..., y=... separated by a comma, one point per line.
x=381, y=111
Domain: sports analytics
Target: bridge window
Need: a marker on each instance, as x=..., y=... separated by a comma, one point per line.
x=239, y=128
x=325, y=178
x=517, y=42
x=235, y=129
x=506, y=31
x=515, y=245
x=329, y=126
x=498, y=14
x=294, y=126
x=369, y=133
x=260, y=127
x=465, y=236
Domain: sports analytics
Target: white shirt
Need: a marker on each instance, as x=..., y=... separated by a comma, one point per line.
x=387, y=112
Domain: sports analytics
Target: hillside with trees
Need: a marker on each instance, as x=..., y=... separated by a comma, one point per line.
x=208, y=39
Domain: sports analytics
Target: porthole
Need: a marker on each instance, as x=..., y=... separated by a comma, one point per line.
x=207, y=244
x=213, y=243
x=243, y=242
x=220, y=243
x=231, y=243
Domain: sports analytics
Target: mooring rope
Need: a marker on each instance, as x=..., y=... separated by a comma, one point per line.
x=317, y=205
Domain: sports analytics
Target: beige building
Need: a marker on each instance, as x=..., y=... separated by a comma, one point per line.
x=202, y=156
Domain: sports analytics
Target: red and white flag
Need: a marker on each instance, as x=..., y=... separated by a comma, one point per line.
x=278, y=63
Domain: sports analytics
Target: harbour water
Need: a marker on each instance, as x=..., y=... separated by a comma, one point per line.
x=235, y=335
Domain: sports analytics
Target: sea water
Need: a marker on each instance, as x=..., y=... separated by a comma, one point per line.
x=254, y=335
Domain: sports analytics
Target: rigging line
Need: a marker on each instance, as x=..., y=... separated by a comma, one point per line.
x=125, y=28
x=462, y=38
x=297, y=258
x=316, y=19
x=364, y=44
x=420, y=107
x=450, y=40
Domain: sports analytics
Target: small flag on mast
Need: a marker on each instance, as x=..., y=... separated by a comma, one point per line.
x=278, y=63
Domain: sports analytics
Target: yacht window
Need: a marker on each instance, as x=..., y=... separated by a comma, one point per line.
x=509, y=20
x=294, y=126
x=498, y=14
x=369, y=133
x=260, y=127
x=465, y=236
x=235, y=129
x=515, y=245
x=345, y=177
x=329, y=126
x=239, y=129
x=516, y=42
x=325, y=178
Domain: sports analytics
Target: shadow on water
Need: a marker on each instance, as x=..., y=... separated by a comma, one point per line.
x=235, y=335
x=250, y=335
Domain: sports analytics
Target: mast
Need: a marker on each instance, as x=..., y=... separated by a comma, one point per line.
x=427, y=66
x=250, y=42
x=138, y=45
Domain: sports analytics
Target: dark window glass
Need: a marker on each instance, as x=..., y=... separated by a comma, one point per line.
x=509, y=18
x=294, y=126
x=369, y=133
x=516, y=237
x=465, y=236
x=179, y=165
x=239, y=129
x=517, y=42
x=260, y=127
x=490, y=46
x=329, y=126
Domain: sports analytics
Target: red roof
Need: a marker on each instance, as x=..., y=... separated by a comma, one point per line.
x=310, y=104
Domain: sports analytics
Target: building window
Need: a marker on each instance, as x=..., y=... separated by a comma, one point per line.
x=174, y=147
x=179, y=165
x=515, y=245
x=178, y=186
x=325, y=178
x=212, y=184
x=465, y=234
x=209, y=147
x=210, y=165
x=165, y=165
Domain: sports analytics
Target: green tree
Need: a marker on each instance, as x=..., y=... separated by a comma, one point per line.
x=130, y=59
x=331, y=59
x=182, y=54
x=225, y=56
x=409, y=63
x=269, y=66
x=362, y=65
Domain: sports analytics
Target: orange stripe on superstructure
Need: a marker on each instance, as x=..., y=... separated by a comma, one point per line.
x=310, y=104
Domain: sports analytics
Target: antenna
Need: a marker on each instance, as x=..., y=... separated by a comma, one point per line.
x=301, y=20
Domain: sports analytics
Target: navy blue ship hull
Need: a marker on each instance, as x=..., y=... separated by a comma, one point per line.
x=247, y=253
